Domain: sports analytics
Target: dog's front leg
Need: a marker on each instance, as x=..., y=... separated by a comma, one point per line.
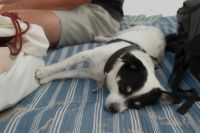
x=44, y=72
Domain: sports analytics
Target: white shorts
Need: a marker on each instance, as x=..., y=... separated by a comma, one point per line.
x=84, y=24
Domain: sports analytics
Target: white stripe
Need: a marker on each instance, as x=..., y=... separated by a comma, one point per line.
x=168, y=109
x=43, y=90
x=51, y=103
x=16, y=120
x=101, y=104
x=135, y=120
x=174, y=124
x=58, y=113
x=193, y=123
x=51, y=58
x=11, y=120
x=36, y=122
x=168, y=116
x=11, y=127
x=69, y=98
x=194, y=79
x=65, y=107
x=153, y=119
x=116, y=125
x=79, y=116
x=138, y=120
x=40, y=94
x=131, y=119
x=98, y=113
x=38, y=117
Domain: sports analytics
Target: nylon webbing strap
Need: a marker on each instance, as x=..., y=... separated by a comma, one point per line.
x=192, y=98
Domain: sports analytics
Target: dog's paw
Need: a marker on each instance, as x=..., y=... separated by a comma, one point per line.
x=44, y=80
x=41, y=73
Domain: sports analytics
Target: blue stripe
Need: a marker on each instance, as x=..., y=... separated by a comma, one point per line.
x=68, y=105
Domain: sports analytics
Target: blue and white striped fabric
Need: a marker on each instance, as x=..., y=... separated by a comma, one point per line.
x=69, y=106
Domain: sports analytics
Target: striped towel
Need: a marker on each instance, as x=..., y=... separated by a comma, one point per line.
x=68, y=106
x=141, y=20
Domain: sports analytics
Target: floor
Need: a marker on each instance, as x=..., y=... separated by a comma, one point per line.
x=152, y=7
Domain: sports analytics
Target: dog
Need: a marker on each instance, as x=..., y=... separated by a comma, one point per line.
x=125, y=64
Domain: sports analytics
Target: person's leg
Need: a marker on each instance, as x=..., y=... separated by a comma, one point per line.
x=45, y=18
x=84, y=24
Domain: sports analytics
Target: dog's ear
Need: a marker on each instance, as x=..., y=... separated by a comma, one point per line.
x=168, y=97
x=131, y=61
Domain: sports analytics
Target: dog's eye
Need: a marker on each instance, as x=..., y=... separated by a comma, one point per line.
x=137, y=103
x=128, y=89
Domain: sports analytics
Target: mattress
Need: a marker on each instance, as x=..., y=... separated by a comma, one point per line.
x=69, y=106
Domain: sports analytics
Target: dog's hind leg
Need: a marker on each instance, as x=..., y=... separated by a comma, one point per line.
x=60, y=66
x=79, y=73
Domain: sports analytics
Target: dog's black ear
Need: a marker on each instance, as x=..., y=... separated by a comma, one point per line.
x=127, y=58
x=168, y=98
x=131, y=61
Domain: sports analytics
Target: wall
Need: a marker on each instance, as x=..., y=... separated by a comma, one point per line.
x=152, y=7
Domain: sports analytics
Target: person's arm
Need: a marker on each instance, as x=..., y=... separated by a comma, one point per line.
x=43, y=4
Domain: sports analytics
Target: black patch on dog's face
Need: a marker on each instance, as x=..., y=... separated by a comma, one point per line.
x=151, y=98
x=132, y=75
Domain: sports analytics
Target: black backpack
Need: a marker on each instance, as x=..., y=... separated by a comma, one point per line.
x=186, y=46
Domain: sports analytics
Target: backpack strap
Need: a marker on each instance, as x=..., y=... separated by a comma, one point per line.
x=185, y=48
x=190, y=96
x=191, y=99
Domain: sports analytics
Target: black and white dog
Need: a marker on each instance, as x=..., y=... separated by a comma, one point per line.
x=125, y=64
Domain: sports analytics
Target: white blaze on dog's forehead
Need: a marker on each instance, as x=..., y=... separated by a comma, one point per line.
x=112, y=77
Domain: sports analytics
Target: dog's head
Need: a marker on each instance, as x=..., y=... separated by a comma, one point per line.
x=132, y=84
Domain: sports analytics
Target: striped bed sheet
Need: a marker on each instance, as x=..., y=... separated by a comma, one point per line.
x=69, y=106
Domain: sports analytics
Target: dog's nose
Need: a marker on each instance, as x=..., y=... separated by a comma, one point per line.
x=113, y=107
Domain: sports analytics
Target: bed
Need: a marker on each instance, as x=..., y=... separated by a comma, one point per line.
x=69, y=106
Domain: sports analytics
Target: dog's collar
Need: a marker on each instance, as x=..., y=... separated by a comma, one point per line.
x=112, y=59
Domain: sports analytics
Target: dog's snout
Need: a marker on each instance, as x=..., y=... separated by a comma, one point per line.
x=113, y=107
x=115, y=103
